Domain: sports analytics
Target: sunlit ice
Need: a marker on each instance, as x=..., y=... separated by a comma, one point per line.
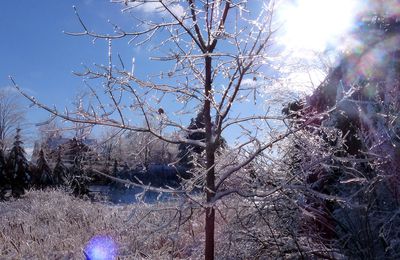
x=314, y=25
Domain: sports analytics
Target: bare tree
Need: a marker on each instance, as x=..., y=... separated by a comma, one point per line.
x=11, y=116
x=219, y=52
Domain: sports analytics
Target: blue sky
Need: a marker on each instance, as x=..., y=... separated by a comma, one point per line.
x=41, y=58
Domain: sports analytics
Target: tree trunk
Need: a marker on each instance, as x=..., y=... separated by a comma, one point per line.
x=210, y=158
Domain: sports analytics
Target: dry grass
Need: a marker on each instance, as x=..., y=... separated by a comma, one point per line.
x=54, y=225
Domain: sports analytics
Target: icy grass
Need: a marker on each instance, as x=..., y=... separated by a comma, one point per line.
x=54, y=225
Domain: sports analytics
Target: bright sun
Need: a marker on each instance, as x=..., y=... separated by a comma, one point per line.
x=315, y=24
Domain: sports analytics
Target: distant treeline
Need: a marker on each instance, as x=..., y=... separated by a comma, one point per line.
x=71, y=168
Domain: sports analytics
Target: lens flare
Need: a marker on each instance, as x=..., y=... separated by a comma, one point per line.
x=371, y=61
x=101, y=248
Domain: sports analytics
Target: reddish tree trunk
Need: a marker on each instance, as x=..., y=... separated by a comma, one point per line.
x=210, y=157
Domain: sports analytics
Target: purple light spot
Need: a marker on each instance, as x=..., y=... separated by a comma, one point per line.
x=101, y=248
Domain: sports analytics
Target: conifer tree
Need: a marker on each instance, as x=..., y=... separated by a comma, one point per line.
x=60, y=173
x=115, y=168
x=3, y=175
x=115, y=173
x=187, y=152
x=2, y=168
x=78, y=178
x=44, y=171
x=74, y=151
x=18, y=166
x=106, y=168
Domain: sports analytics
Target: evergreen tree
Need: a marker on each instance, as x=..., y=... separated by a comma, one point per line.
x=78, y=177
x=187, y=152
x=44, y=171
x=60, y=172
x=75, y=150
x=18, y=167
x=2, y=169
x=115, y=168
x=3, y=175
x=105, y=169
x=115, y=173
x=34, y=175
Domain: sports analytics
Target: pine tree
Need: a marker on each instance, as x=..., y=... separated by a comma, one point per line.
x=3, y=175
x=75, y=150
x=187, y=152
x=60, y=172
x=115, y=168
x=78, y=177
x=105, y=169
x=116, y=173
x=2, y=169
x=18, y=166
x=44, y=171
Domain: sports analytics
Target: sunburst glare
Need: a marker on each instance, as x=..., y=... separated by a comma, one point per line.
x=315, y=24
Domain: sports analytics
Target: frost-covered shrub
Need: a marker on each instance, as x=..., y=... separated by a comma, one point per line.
x=267, y=229
x=351, y=191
